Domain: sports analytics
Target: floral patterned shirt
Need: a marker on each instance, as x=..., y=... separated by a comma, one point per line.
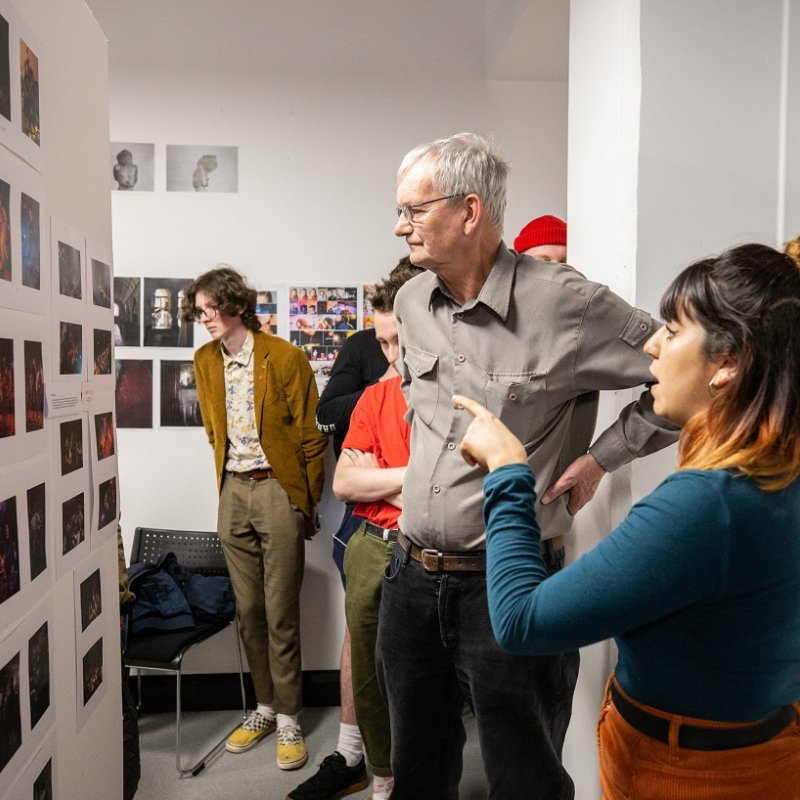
x=244, y=448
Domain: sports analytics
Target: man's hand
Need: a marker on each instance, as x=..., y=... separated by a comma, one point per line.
x=359, y=458
x=488, y=441
x=311, y=526
x=581, y=479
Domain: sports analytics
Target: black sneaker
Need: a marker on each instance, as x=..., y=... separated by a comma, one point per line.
x=333, y=779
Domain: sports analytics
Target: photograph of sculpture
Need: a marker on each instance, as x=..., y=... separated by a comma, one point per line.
x=34, y=386
x=69, y=271
x=71, y=437
x=37, y=533
x=127, y=306
x=107, y=503
x=104, y=431
x=73, y=523
x=92, y=670
x=31, y=242
x=102, y=352
x=91, y=600
x=29, y=83
x=39, y=673
x=267, y=310
x=5, y=231
x=8, y=424
x=134, y=393
x=179, y=404
x=163, y=326
x=43, y=785
x=101, y=284
x=9, y=550
x=70, y=349
x=10, y=716
x=5, y=70
x=132, y=167
x=201, y=168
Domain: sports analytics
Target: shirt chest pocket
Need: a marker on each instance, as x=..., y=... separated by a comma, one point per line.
x=519, y=400
x=423, y=367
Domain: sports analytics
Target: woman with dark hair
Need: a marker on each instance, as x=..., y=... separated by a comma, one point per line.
x=700, y=584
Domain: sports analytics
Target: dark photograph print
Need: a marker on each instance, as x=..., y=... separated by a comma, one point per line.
x=37, y=540
x=73, y=526
x=34, y=386
x=92, y=670
x=43, y=785
x=9, y=550
x=8, y=424
x=10, y=716
x=31, y=242
x=127, y=312
x=69, y=271
x=107, y=511
x=5, y=231
x=70, y=348
x=267, y=311
x=101, y=284
x=91, y=605
x=163, y=326
x=5, y=70
x=102, y=352
x=29, y=81
x=39, y=674
x=71, y=445
x=134, y=393
x=104, y=430
x=179, y=404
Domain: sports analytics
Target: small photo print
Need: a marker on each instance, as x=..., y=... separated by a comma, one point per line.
x=70, y=349
x=127, y=313
x=107, y=503
x=37, y=534
x=163, y=326
x=366, y=307
x=8, y=422
x=29, y=80
x=267, y=310
x=9, y=550
x=92, y=670
x=69, y=271
x=5, y=70
x=10, y=716
x=102, y=352
x=320, y=320
x=134, y=393
x=101, y=284
x=39, y=674
x=91, y=601
x=200, y=168
x=5, y=231
x=104, y=430
x=179, y=403
x=132, y=167
x=71, y=445
x=34, y=386
x=73, y=526
x=31, y=242
x=43, y=785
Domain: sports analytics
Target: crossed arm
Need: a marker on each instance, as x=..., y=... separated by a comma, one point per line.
x=360, y=478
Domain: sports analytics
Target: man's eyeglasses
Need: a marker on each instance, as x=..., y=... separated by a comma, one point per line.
x=205, y=314
x=408, y=209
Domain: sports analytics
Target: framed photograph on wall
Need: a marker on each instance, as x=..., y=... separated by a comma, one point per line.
x=132, y=167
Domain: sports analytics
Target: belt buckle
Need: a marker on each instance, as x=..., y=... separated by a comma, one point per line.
x=437, y=555
x=386, y=534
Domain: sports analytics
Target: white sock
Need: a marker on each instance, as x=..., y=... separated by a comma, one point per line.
x=267, y=711
x=382, y=787
x=350, y=744
x=287, y=719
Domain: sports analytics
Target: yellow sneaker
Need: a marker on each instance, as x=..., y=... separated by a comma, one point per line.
x=292, y=753
x=252, y=730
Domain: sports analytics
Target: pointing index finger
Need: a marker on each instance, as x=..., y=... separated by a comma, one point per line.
x=474, y=407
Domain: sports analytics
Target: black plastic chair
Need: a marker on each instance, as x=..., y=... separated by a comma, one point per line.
x=164, y=651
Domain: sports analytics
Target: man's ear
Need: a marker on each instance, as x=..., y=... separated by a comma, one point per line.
x=474, y=213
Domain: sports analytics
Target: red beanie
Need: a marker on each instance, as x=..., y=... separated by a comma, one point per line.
x=540, y=231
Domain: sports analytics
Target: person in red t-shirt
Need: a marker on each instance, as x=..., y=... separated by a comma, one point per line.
x=370, y=471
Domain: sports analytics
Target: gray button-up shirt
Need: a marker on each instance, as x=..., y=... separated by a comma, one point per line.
x=538, y=339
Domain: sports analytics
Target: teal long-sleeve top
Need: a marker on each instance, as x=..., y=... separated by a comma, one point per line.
x=699, y=586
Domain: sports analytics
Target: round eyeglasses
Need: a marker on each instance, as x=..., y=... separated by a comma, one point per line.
x=205, y=314
x=408, y=209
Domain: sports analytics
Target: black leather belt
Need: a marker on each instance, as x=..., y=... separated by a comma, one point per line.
x=386, y=534
x=254, y=474
x=693, y=737
x=436, y=561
